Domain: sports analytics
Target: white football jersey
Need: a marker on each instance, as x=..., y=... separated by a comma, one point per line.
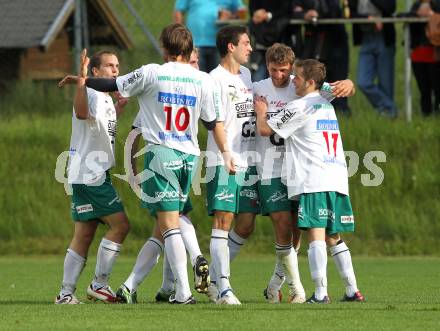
x=92, y=143
x=172, y=97
x=314, y=159
x=137, y=121
x=270, y=150
x=236, y=98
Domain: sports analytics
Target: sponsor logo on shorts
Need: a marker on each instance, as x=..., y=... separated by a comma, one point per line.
x=178, y=164
x=347, y=219
x=300, y=212
x=326, y=213
x=84, y=208
x=277, y=196
x=173, y=165
x=224, y=196
x=251, y=194
x=170, y=196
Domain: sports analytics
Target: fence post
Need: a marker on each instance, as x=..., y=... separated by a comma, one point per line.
x=77, y=33
x=408, y=95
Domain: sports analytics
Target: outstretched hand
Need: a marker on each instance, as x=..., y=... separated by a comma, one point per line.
x=343, y=88
x=69, y=79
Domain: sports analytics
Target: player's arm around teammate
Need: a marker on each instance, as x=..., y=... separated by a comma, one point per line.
x=94, y=199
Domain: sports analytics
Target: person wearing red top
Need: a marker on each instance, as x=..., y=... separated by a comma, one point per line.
x=425, y=63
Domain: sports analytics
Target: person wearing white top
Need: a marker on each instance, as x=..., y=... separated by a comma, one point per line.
x=316, y=173
x=172, y=97
x=232, y=191
x=94, y=199
x=149, y=254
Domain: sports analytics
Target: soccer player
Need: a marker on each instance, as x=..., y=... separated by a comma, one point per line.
x=194, y=59
x=316, y=173
x=94, y=199
x=279, y=91
x=229, y=195
x=172, y=97
x=149, y=254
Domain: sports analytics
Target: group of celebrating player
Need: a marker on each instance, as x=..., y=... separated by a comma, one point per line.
x=274, y=148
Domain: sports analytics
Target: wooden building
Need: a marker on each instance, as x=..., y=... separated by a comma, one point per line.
x=37, y=37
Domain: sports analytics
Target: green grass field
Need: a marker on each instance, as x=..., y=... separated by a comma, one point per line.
x=402, y=294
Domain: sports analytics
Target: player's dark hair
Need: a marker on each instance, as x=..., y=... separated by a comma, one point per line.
x=96, y=59
x=312, y=70
x=177, y=40
x=229, y=34
x=280, y=54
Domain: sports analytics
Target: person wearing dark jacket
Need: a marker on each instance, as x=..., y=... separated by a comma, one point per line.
x=425, y=61
x=326, y=43
x=376, y=56
x=269, y=24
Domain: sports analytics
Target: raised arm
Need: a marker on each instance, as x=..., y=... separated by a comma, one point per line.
x=80, y=101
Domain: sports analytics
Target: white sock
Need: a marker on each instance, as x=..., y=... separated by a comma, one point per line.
x=146, y=260
x=342, y=257
x=277, y=279
x=220, y=258
x=286, y=256
x=189, y=238
x=235, y=242
x=176, y=254
x=73, y=266
x=167, y=276
x=108, y=251
x=318, y=267
x=212, y=271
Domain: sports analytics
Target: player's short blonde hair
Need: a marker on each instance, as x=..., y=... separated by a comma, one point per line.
x=280, y=54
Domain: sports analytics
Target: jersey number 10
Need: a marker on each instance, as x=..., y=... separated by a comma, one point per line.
x=181, y=118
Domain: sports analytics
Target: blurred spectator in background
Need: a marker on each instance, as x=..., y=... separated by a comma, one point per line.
x=269, y=24
x=326, y=43
x=376, y=56
x=201, y=19
x=425, y=63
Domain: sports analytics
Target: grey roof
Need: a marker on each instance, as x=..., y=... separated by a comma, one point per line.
x=27, y=23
